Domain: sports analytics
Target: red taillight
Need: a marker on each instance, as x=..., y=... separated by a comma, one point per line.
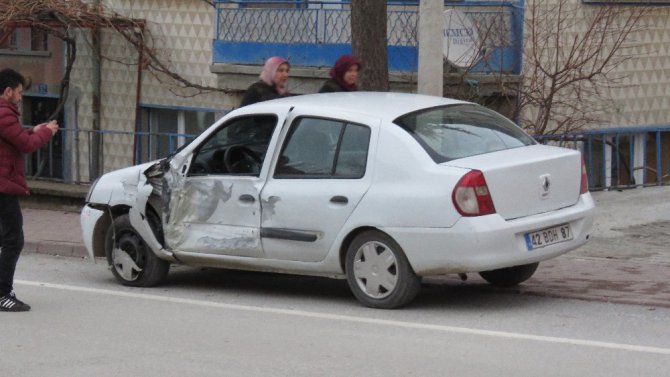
x=471, y=195
x=584, y=185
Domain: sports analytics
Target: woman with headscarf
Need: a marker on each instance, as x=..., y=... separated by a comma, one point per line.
x=344, y=75
x=272, y=83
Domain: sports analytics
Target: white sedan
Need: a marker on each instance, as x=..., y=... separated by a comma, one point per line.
x=379, y=188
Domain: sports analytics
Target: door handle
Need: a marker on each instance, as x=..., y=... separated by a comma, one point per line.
x=339, y=199
x=247, y=198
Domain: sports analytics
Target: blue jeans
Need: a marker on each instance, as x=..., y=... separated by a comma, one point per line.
x=11, y=240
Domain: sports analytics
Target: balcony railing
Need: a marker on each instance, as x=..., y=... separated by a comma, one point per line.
x=316, y=33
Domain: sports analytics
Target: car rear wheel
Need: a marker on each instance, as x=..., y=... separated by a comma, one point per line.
x=510, y=276
x=131, y=260
x=378, y=272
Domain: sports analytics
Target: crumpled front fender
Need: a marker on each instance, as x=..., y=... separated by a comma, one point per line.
x=129, y=187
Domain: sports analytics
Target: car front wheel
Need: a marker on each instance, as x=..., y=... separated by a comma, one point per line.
x=131, y=260
x=378, y=272
x=510, y=276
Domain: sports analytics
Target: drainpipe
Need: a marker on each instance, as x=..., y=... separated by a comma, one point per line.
x=96, y=140
x=138, y=97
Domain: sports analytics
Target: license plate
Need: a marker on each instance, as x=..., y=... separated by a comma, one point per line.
x=549, y=236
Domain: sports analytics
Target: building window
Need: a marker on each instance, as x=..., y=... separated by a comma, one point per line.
x=39, y=39
x=8, y=40
x=162, y=130
x=25, y=39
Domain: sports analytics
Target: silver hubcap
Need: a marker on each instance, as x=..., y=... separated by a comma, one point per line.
x=125, y=265
x=375, y=269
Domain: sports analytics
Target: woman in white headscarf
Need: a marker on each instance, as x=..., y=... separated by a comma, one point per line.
x=272, y=83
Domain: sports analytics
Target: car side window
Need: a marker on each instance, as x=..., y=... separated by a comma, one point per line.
x=324, y=148
x=238, y=147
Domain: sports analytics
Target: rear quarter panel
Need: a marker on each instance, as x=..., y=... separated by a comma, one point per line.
x=408, y=188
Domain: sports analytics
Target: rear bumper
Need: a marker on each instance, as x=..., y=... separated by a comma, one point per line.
x=489, y=242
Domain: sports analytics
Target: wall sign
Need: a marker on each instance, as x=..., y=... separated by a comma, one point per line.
x=460, y=43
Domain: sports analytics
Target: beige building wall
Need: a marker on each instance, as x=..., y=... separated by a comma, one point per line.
x=641, y=96
x=645, y=97
x=182, y=33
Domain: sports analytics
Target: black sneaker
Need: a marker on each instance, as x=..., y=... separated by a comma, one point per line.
x=9, y=303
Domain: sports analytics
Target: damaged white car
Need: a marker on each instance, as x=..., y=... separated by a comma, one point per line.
x=381, y=189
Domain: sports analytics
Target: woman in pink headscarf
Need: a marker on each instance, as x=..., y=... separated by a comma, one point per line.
x=344, y=75
x=272, y=83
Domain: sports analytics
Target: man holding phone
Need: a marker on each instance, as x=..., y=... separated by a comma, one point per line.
x=14, y=142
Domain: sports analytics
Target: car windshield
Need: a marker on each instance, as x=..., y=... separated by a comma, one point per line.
x=451, y=132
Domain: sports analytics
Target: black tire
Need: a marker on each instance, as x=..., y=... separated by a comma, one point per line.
x=133, y=263
x=364, y=273
x=510, y=276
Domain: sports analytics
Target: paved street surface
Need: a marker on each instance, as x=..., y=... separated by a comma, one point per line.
x=230, y=323
x=573, y=318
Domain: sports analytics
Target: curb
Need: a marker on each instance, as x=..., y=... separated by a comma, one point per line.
x=56, y=248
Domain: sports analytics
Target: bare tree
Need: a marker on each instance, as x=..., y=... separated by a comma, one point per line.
x=369, y=42
x=571, y=54
x=59, y=18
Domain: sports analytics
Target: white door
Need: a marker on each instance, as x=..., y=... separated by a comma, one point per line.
x=322, y=172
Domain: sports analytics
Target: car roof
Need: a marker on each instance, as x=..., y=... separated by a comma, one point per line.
x=383, y=105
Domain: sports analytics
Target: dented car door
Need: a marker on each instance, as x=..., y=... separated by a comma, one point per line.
x=214, y=208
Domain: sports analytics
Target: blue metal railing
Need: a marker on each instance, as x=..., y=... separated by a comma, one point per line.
x=316, y=33
x=615, y=158
x=66, y=157
x=618, y=158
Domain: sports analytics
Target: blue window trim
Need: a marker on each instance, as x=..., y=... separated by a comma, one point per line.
x=627, y=2
x=179, y=108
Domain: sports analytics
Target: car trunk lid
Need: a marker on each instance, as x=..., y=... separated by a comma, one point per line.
x=528, y=180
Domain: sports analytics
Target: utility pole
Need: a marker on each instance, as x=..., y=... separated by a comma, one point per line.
x=96, y=140
x=431, y=69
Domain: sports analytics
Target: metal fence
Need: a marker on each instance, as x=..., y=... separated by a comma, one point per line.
x=622, y=157
x=614, y=158
x=315, y=33
x=321, y=22
x=68, y=157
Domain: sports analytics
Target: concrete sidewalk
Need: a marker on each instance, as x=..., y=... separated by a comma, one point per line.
x=627, y=259
x=52, y=232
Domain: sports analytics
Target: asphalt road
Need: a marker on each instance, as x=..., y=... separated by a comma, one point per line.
x=227, y=323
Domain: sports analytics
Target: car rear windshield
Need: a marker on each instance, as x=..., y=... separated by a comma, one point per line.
x=456, y=131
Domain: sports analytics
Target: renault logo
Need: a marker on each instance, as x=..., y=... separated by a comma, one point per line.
x=545, y=183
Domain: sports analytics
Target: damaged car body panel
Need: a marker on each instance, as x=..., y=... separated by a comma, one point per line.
x=210, y=194
x=210, y=215
x=126, y=188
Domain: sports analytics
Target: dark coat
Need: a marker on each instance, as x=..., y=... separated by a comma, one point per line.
x=14, y=142
x=331, y=86
x=259, y=92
